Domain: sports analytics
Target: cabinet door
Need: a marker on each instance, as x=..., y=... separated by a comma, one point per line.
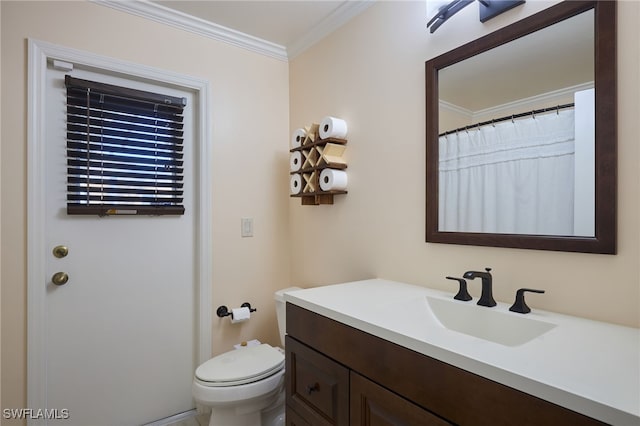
x=294, y=419
x=373, y=405
x=317, y=387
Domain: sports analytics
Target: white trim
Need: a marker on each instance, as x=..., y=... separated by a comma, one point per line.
x=329, y=24
x=174, y=18
x=157, y=12
x=525, y=103
x=456, y=109
x=36, y=334
x=180, y=417
x=39, y=54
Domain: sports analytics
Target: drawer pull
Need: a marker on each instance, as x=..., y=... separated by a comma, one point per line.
x=313, y=388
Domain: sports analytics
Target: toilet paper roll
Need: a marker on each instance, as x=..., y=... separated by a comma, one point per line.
x=295, y=161
x=331, y=127
x=295, y=184
x=240, y=315
x=331, y=179
x=298, y=137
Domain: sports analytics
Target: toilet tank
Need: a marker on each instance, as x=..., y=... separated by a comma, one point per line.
x=281, y=310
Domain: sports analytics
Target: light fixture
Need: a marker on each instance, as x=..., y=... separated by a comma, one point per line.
x=441, y=10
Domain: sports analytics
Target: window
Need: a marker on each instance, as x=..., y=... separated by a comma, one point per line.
x=124, y=150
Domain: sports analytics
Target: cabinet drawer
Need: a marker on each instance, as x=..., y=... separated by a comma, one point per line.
x=317, y=386
x=371, y=404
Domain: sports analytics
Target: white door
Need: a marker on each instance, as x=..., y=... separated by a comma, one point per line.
x=121, y=333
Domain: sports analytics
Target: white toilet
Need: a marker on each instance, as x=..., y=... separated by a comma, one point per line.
x=245, y=387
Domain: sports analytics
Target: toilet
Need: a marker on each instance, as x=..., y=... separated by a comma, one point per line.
x=245, y=387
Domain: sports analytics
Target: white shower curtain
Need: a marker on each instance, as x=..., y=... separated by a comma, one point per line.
x=511, y=177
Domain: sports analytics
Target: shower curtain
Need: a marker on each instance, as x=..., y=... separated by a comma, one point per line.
x=515, y=176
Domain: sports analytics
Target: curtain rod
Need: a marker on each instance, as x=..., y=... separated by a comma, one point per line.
x=509, y=117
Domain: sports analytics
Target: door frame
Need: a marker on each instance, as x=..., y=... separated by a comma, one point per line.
x=39, y=55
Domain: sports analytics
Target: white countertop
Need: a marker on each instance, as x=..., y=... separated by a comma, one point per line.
x=587, y=366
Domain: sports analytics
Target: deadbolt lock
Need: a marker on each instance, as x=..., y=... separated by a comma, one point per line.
x=60, y=251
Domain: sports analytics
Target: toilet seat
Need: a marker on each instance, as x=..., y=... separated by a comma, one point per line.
x=241, y=366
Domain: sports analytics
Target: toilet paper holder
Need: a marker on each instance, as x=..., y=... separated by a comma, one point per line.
x=223, y=311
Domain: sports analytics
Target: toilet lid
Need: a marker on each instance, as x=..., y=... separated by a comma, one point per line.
x=244, y=365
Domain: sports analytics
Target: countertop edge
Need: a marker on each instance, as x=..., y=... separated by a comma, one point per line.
x=578, y=403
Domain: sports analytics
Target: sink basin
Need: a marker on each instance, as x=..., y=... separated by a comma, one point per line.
x=503, y=327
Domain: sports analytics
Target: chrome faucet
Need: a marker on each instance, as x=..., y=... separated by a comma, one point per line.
x=486, y=298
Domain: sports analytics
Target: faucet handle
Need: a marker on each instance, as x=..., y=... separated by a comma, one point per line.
x=463, y=294
x=520, y=306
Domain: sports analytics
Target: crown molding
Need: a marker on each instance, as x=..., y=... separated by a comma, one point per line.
x=174, y=18
x=532, y=101
x=340, y=16
x=164, y=15
x=507, y=108
x=455, y=108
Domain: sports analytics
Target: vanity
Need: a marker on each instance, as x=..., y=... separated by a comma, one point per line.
x=383, y=352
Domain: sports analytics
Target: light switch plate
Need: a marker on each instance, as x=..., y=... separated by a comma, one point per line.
x=246, y=227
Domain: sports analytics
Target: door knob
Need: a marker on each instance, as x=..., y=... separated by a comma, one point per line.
x=60, y=278
x=60, y=251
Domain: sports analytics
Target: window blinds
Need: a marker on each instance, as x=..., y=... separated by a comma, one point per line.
x=124, y=150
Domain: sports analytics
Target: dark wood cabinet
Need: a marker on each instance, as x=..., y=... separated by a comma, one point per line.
x=323, y=392
x=365, y=380
x=374, y=405
x=317, y=386
x=294, y=419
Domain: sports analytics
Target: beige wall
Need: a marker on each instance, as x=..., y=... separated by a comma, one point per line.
x=249, y=122
x=1, y=405
x=371, y=73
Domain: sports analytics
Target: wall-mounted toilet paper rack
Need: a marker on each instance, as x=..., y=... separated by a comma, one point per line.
x=223, y=311
x=317, y=162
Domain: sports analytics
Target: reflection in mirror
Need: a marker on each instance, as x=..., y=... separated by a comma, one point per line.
x=516, y=145
x=521, y=134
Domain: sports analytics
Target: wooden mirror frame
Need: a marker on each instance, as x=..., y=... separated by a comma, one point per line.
x=604, y=240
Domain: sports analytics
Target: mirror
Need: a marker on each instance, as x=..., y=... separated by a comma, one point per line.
x=521, y=134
